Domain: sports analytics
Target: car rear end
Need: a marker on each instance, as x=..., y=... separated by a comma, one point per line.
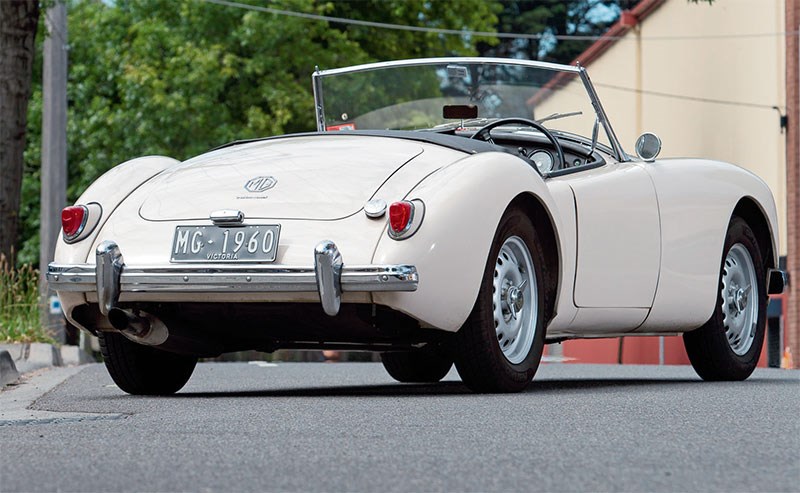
x=262, y=245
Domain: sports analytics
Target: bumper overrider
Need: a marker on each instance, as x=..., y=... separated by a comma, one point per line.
x=777, y=281
x=109, y=277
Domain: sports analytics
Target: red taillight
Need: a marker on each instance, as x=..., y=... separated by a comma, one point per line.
x=405, y=218
x=73, y=219
x=400, y=214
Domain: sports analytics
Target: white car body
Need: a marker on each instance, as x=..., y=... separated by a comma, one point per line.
x=633, y=247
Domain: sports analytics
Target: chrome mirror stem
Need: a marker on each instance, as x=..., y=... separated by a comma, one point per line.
x=595, y=131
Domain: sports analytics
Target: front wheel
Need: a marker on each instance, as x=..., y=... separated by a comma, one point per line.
x=728, y=346
x=499, y=347
x=144, y=370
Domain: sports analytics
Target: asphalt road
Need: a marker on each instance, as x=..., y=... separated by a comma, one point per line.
x=349, y=427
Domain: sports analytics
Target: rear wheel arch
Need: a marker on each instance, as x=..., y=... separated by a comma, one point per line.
x=545, y=229
x=499, y=347
x=484, y=186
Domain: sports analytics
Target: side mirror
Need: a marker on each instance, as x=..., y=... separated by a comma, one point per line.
x=648, y=145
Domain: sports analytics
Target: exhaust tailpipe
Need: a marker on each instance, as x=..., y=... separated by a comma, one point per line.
x=127, y=321
x=139, y=326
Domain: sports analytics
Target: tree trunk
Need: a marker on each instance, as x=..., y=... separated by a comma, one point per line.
x=18, y=22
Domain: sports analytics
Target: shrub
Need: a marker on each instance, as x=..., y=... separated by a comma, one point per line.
x=19, y=304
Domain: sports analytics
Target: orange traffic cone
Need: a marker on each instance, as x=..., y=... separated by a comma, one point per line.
x=786, y=361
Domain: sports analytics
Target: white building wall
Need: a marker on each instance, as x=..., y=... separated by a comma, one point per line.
x=708, y=64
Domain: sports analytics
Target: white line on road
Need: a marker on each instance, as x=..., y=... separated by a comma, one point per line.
x=262, y=364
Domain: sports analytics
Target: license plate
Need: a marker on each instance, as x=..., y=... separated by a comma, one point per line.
x=252, y=243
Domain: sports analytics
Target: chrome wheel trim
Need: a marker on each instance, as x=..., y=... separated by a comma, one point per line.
x=515, y=300
x=739, y=299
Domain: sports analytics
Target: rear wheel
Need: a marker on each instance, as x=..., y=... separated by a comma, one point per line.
x=144, y=370
x=422, y=366
x=728, y=346
x=499, y=347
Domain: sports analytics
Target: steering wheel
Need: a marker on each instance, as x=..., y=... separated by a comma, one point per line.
x=483, y=133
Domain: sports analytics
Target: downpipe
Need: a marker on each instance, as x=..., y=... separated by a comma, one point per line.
x=139, y=326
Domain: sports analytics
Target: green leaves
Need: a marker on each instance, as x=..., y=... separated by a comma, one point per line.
x=178, y=77
x=19, y=304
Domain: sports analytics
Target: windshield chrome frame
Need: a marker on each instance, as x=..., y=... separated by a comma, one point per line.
x=576, y=70
x=619, y=153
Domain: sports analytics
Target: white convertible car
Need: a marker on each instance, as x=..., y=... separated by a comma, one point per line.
x=461, y=211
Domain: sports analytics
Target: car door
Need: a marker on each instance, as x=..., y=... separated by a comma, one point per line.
x=619, y=238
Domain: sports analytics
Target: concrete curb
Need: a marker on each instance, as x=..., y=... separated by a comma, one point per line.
x=8, y=371
x=14, y=402
x=74, y=355
x=28, y=357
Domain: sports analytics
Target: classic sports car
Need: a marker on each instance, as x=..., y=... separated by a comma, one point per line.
x=449, y=210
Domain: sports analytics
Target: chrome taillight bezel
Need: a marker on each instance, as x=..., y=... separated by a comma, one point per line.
x=92, y=212
x=414, y=222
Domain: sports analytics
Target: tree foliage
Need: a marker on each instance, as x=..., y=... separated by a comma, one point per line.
x=177, y=77
x=385, y=44
x=553, y=18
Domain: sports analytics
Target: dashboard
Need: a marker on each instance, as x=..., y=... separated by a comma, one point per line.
x=545, y=159
x=540, y=152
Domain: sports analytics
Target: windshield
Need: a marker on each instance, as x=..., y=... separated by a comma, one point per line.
x=415, y=95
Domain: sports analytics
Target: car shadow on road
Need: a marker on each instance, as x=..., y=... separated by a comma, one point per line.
x=442, y=388
x=562, y=385
x=387, y=390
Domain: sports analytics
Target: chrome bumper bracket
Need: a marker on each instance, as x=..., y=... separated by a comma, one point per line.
x=328, y=270
x=109, y=270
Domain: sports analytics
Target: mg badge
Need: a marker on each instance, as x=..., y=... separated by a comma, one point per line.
x=260, y=184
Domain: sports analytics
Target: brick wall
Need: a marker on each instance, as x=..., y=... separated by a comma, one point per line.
x=793, y=176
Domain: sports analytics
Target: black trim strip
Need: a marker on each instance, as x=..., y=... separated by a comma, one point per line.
x=458, y=143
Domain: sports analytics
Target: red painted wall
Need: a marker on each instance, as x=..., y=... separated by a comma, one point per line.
x=636, y=350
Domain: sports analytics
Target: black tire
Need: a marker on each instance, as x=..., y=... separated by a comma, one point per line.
x=478, y=356
x=709, y=350
x=144, y=370
x=421, y=366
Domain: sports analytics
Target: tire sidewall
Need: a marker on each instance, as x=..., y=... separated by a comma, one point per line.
x=740, y=232
x=516, y=223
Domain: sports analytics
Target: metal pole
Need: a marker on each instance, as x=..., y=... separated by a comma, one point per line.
x=54, y=157
x=639, y=81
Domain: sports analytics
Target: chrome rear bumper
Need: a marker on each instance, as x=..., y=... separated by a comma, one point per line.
x=109, y=277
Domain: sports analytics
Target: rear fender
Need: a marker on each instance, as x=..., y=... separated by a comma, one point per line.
x=109, y=191
x=464, y=203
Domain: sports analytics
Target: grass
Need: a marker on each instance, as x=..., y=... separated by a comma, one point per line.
x=19, y=304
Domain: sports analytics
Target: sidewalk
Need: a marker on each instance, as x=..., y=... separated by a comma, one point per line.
x=19, y=359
